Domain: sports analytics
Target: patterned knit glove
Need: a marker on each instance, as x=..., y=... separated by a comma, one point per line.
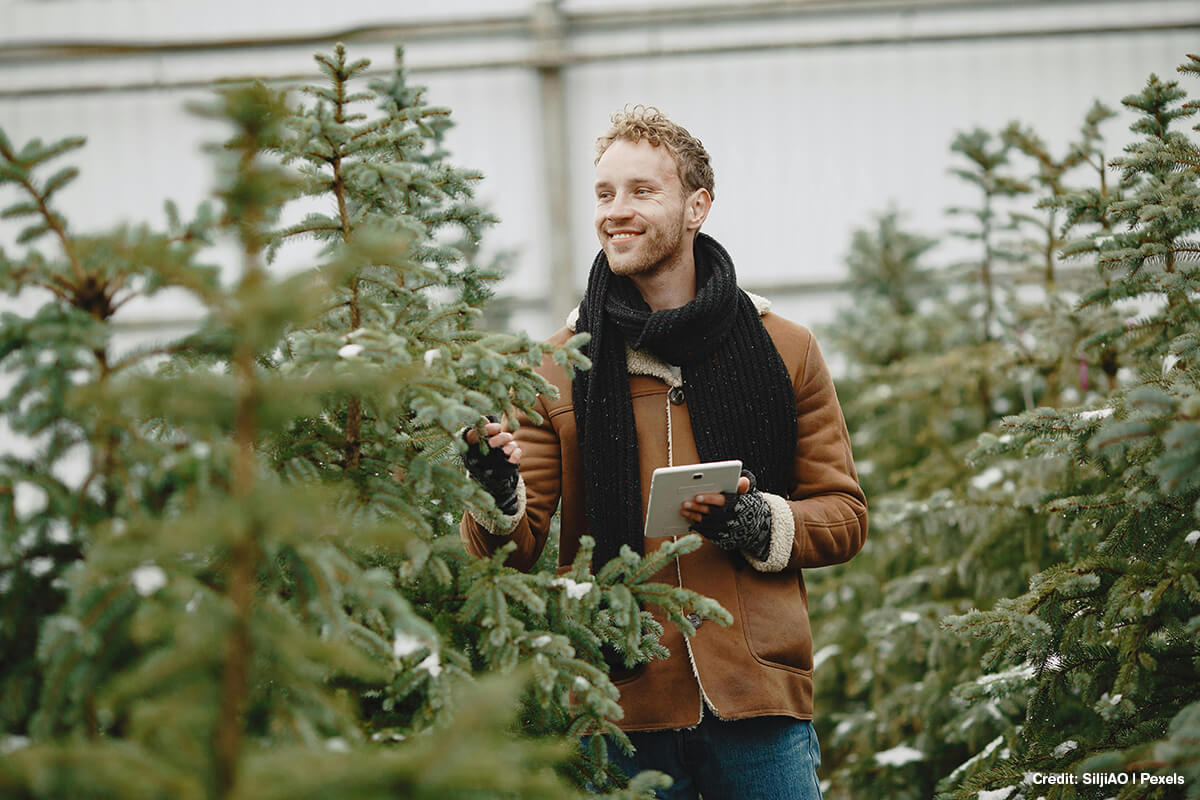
x=743, y=523
x=494, y=472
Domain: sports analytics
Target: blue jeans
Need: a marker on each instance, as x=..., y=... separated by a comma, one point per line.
x=773, y=758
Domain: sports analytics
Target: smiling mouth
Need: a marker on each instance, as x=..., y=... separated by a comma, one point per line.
x=622, y=237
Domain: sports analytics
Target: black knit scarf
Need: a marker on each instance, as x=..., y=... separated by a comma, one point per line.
x=738, y=391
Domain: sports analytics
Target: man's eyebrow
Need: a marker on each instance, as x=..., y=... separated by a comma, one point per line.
x=631, y=181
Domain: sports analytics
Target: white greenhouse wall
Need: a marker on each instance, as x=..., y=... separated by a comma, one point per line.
x=811, y=130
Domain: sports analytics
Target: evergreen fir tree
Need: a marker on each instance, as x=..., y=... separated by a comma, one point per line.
x=913, y=404
x=261, y=570
x=1105, y=644
x=934, y=366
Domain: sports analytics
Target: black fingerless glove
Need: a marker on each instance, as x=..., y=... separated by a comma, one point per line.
x=743, y=523
x=494, y=472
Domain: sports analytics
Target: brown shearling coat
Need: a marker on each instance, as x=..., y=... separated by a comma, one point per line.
x=761, y=664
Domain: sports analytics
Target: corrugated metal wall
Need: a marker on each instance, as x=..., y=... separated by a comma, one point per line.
x=817, y=114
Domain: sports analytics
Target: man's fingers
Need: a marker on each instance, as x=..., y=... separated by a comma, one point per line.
x=698, y=506
x=499, y=440
x=491, y=429
x=743, y=485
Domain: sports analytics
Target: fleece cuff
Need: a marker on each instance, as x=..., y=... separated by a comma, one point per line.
x=495, y=523
x=783, y=534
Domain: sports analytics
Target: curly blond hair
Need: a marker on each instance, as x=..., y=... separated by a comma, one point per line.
x=635, y=123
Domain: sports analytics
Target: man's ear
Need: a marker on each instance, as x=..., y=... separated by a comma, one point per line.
x=699, y=203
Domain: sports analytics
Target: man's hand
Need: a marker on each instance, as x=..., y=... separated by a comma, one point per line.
x=496, y=471
x=733, y=521
x=701, y=504
x=498, y=439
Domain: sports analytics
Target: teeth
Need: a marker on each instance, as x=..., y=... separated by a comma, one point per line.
x=623, y=235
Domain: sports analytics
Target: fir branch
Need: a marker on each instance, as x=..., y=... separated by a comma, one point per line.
x=18, y=171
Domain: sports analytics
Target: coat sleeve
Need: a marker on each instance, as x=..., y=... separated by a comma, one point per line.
x=823, y=520
x=484, y=530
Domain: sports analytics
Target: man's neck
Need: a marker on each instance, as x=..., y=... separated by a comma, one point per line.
x=672, y=286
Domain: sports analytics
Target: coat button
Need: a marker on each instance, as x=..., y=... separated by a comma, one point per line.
x=675, y=395
x=694, y=618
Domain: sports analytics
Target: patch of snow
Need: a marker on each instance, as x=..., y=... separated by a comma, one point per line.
x=997, y=794
x=28, y=499
x=1192, y=538
x=988, y=749
x=57, y=532
x=1064, y=748
x=824, y=654
x=11, y=744
x=989, y=477
x=432, y=664
x=843, y=728
x=1096, y=413
x=350, y=351
x=40, y=566
x=574, y=590
x=148, y=579
x=431, y=356
x=899, y=756
x=405, y=644
x=1053, y=663
x=540, y=641
x=1024, y=672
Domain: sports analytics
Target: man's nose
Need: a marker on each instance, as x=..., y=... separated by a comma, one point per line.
x=619, y=207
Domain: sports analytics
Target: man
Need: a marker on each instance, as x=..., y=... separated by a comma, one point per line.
x=688, y=368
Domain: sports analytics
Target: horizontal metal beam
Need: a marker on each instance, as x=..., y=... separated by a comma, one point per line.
x=566, y=58
x=468, y=27
x=73, y=50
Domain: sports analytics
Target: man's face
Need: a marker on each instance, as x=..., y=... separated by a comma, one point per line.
x=640, y=208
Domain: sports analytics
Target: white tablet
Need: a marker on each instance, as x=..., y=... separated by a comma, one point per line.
x=670, y=486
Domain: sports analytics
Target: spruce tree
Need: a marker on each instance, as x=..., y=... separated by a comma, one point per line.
x=261, y=569
x=913, y=403
x=938, y=356
x=1105, y=644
